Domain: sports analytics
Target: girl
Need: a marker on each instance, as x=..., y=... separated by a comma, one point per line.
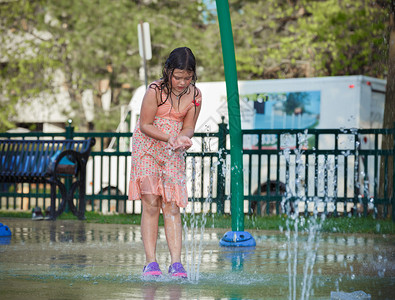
x=169, y=111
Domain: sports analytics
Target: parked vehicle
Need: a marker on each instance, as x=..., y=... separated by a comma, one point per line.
x=319, y=102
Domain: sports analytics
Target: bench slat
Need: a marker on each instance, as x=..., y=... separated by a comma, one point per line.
x=21, y=158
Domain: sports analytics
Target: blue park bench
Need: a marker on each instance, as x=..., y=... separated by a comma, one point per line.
x=48, y=161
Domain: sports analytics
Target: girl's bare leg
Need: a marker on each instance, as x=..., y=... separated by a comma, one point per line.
x=149, y=225
x=173, y=230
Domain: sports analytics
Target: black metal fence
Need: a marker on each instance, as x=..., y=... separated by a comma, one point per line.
x=333, y=171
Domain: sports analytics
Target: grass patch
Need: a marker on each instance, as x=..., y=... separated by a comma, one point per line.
x=359, y=225
x=330, y=225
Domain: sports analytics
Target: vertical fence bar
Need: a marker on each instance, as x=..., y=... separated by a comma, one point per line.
x=101, y=172
x=335, y=173
x=259, y=163
x=316, y=163
x=306, y=190
x=221, y=166
x=386, y=172
x=201, y=198
x=357, y=181
x=250, y=179
x=345, y=179
x=365, y=188
x=278, y=145
x=376, y=172
x=268, y=183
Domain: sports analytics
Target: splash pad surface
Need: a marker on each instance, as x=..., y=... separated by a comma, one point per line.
x=79, y=260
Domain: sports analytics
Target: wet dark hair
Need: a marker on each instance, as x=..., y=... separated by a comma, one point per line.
x=180, y=58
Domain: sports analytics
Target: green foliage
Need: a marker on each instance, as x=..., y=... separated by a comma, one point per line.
x=309, y=38
x=107, y=119
x=90, y=41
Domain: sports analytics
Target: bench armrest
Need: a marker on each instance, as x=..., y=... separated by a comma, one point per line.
x=64, y=162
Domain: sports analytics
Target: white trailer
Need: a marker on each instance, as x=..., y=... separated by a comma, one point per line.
x=334, y=102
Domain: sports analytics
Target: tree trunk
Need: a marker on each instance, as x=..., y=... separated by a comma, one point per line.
x=389, y=108
x=389, y=112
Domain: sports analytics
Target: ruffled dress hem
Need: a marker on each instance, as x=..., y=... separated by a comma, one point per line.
x=170, y=192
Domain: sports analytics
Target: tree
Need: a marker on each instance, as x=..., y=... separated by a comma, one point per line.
x=89, y=41
x=301, y=38
x=389, y=113
x=93, y=43
x=21, y=66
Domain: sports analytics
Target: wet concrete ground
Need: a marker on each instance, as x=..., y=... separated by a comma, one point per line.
x=79, y=260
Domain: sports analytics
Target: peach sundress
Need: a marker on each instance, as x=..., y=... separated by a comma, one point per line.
x=156, y=169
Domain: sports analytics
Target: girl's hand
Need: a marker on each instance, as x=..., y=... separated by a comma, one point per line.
x=172, y=142
x=183, y=143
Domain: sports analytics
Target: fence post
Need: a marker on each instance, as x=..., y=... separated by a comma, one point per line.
x=69, y=130
x=221, y=166
x=69, y=136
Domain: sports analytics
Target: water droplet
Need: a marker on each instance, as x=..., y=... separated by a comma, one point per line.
x=381, y=273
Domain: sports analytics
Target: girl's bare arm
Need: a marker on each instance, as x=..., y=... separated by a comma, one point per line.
x=147, y=116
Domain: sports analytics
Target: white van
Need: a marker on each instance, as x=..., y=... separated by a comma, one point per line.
x=327, y=102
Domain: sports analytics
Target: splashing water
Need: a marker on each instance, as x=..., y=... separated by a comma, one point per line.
x=194, y=224
x=317, y=206
x=290, y=205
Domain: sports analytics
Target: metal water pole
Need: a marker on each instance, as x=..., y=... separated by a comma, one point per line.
x=237, y=237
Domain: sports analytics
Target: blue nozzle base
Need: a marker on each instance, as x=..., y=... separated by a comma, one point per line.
x=4, y=230
x=237, y=239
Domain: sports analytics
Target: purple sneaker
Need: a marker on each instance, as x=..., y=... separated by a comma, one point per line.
x=152, y=269
x=177, y=270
